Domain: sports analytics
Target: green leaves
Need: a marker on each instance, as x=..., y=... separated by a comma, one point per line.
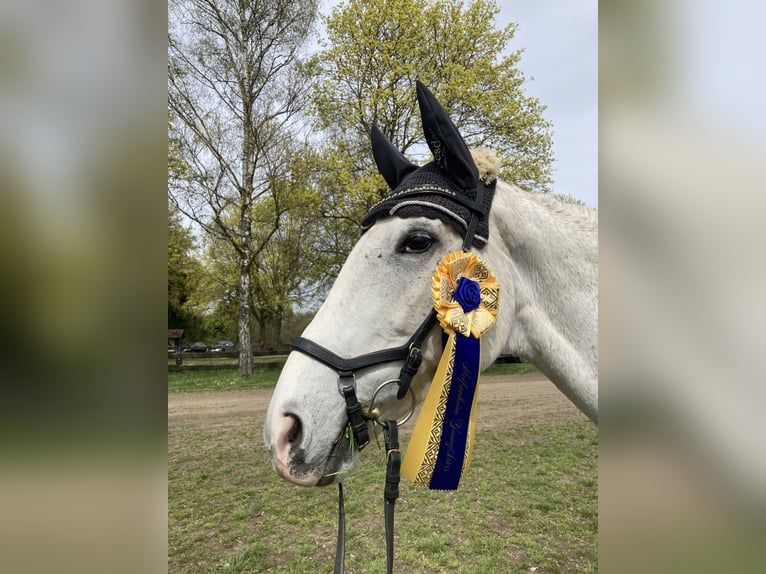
x=290, y=207
x=183, y=269
x=376, y=49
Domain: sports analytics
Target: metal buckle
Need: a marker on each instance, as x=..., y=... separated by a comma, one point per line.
x=414, y=356
x=346, y=375
x=406, y=417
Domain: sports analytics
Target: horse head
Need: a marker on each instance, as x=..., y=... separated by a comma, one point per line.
x=380, y=298
x=383, y=295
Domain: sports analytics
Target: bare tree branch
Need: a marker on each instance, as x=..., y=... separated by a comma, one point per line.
x=232, y=95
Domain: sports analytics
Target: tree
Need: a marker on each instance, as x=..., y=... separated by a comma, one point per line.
x=235, y=89
x=374, y=52
x=293, y=270
x=335, y=186
x=215, y=299
x=290, y=272
x=182, y=267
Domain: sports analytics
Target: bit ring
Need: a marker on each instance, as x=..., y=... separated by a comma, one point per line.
x=406, y=417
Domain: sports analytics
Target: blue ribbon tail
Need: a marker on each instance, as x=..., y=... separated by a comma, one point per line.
x=457, y=415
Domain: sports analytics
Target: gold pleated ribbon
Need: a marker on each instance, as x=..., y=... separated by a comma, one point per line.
x=466, y=296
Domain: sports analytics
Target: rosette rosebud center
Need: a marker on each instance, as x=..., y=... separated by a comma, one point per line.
x=468, y=294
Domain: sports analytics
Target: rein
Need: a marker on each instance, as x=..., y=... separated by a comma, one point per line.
x=390, y=494
x=452, y=156
x=358, y=416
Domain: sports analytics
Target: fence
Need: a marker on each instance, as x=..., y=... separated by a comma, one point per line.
x=277, y=357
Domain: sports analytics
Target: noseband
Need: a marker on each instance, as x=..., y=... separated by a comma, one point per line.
x=409, y=352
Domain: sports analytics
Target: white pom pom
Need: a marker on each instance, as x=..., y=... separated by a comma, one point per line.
x=487, y=163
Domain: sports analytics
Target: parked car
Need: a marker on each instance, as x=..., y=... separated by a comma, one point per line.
x=198, y=347
x=223, y=346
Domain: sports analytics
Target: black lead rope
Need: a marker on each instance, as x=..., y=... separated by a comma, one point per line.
x=391, y=490
x=340, y=546
x=390, y=494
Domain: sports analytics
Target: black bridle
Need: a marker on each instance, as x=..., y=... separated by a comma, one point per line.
x=461, y=186
x=410, y=353
x=358, y=417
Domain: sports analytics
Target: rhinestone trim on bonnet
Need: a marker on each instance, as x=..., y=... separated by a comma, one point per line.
x=422, y=194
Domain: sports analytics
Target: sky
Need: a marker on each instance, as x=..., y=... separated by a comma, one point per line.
x=560, y=43
x=560, y=60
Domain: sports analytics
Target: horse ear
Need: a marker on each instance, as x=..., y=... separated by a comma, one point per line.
x=445, y=142
x=392, y=164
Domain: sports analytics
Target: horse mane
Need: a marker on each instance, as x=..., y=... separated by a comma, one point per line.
x=582, y=216
x=488, y=164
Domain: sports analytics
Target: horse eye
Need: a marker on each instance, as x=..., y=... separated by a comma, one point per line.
x=417, y=242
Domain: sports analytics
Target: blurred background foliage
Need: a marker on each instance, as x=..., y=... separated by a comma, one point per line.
x=84, y=178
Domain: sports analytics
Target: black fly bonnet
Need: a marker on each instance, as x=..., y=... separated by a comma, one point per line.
x=448, y=188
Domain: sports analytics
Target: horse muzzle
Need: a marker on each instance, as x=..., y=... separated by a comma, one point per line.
x=297, y=459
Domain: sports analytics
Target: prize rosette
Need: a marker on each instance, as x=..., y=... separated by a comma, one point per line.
x=466, y=295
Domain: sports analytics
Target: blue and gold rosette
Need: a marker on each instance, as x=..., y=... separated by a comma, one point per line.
x=465, y=294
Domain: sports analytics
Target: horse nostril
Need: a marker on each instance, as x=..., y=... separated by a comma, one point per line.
x=287, y=444
x=293, y=434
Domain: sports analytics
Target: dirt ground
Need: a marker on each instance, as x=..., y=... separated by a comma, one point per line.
x=505, y=401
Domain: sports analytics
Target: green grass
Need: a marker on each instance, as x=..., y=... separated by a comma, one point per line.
x=510, y=369
x=229, y=379
x=529, y=500
x=224, y=379
x=221, y=380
